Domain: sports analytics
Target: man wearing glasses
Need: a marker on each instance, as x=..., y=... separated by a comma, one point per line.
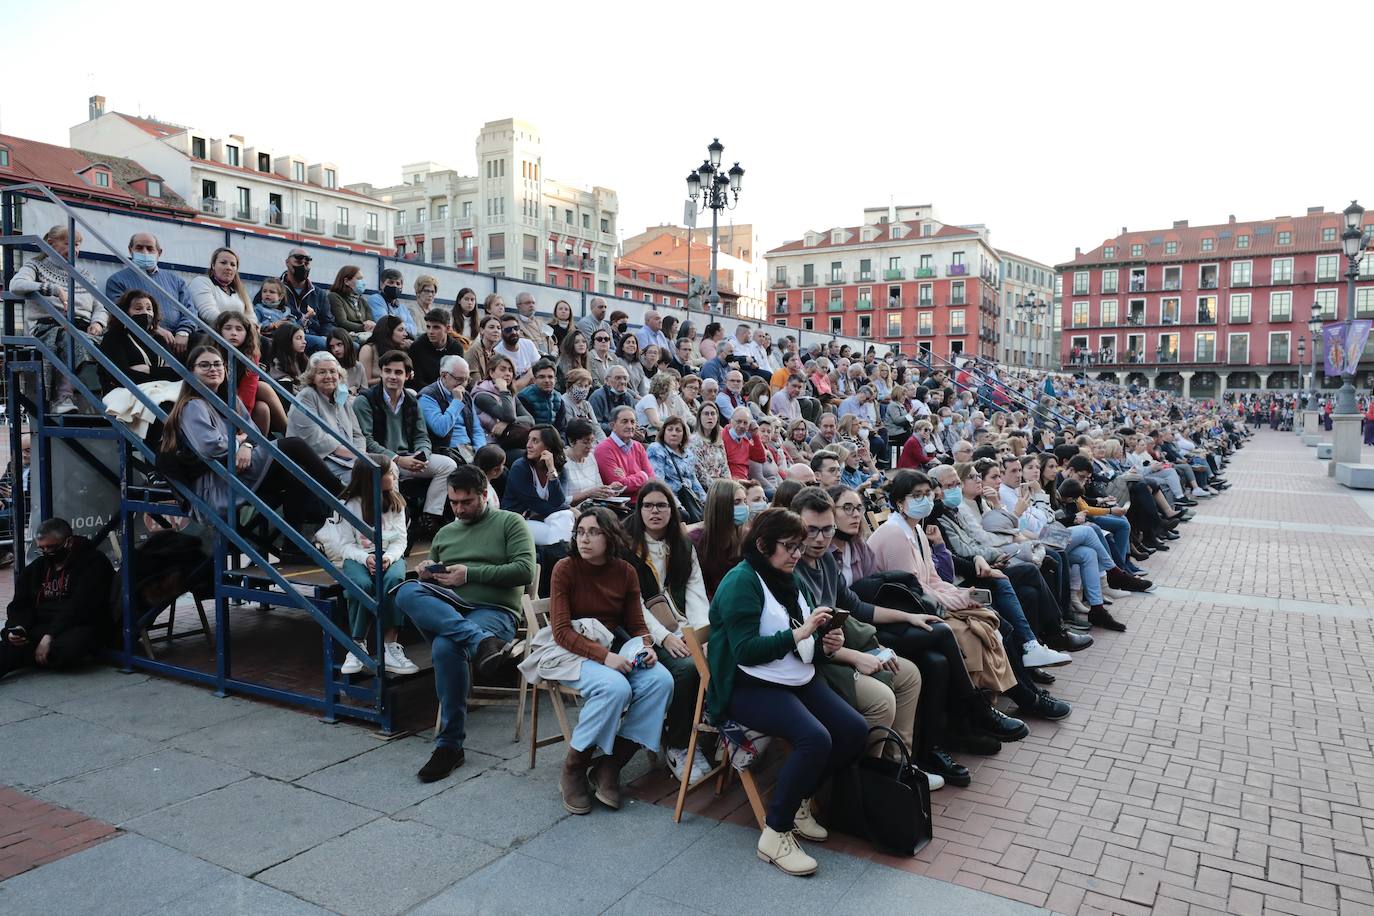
x=309, y=304
x=59, y=613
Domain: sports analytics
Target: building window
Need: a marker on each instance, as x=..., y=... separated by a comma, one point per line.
x=1282, y=270
x=102, y=179
x=245, y=204
x=1285, y=238
x=1281, y=306
x=1326, y=304
x=467, y=209
x=1205, y=346
x=1109, y=281
x=264, y=162
x=605, y=224
x=231, y=155
x=154, y=188
x=1208, y=244
x=587, y=221
x=835, y=324
x=1080, y=283
x=441, y=211
x=1137, y=250
x=1080, y=314
x=926, y=296
x=894, y=324
x=1241, y=273
x=496, y=246
x=4, y=156
x=372, y=222
x=1278, y=347
x=1171, y=247
x=1364, y=302
x=198, y=147
x=925, y=323
x=1109, y=251
x=1328, y=267
x=1242, y=241
x=956, y=321
x=808, y=324
x=836, y=271
x=341, y=213
x=1238, y=346
x=531, y=250
x=400, y=219
x=312, y=210
x=956, y=293
x=1108, y=311
x=1240, y=307
x=568, y=217
x=331, y=178
x=865, y=325
x=1329, y=234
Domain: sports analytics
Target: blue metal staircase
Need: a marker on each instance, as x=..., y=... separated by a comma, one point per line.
x=242, y=571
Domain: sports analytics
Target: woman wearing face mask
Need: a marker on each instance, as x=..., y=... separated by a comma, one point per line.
x=719, y=542
x=320, y=392
x=620, y=326
x=220, y=289
x=351, y=312
x=136, y=360
x=755, y=498
x=671, y=463
x=576, y=393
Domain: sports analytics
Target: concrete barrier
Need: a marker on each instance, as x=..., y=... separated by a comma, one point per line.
x=1355, y=476
x=1324, y=450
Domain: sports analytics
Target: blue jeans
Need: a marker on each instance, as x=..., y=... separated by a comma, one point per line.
x=605, y=695
x=359, y=617
x=454, y=638
x=825, y=732
x=315, y=343
x=1119, y=536
x=1006, y=603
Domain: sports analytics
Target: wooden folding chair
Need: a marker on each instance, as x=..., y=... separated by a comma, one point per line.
x=696, y=640
x=536, y=618
x=874, y=519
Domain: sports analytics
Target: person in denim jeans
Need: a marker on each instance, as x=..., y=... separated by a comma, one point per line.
x=489, y=559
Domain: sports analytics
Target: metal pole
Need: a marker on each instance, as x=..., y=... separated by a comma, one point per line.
x=1345, y=398
x=715, y=243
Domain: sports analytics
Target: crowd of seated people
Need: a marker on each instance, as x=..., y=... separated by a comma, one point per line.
x=975, y=524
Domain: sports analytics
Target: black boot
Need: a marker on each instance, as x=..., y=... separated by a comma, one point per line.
x=986, y=719
x=1101, y=617
x=941, y=764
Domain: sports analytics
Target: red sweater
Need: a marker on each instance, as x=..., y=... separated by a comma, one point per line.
x=631, y=468
x=739, y=454
x=913, y=454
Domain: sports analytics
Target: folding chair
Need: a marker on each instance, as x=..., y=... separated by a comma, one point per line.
x=696, y=640
x=536, y=618
x=874, y=519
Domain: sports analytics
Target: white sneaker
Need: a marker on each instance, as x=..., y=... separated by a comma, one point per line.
x=1039, y=656
x=396, y=661
x=1199, y=493
x=936, y=781
x=700, y=766
x=66, y=405
x=1113, y=592
x=677, y=759
x=352, y=665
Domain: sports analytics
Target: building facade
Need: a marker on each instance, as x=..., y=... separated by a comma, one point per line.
x=1204, y=309
x=246, y=185
x=1027, y=337
x=511, y=220
x=902, y=277
x=740, y=267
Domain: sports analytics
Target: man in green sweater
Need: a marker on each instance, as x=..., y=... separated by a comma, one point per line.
x=468, y=609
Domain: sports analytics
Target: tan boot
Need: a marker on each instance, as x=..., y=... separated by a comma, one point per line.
x=606, y=773
x=806, y=825
x=572, y=784
x=783, y=850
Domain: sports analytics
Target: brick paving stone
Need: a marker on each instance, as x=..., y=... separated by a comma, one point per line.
x=33, y=832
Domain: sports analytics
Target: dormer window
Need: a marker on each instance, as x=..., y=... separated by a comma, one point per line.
x=198, y=147
x=331, y=178
x=232, y=155
x=102, y=179
x=4, y=156
x=154, y=188
x=298, y=172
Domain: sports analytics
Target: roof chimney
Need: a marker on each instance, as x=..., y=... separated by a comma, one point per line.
x=1077, y=251
x=1180, y=224
x=1123, y=230
x=97, y=106
x=1314, y=210
x=1231, y=218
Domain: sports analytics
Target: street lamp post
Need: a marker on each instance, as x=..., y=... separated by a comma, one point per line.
x=718, y=190
x=1029, y=307
x=1315, y=326
x=1352, y=245
x=1302, y=366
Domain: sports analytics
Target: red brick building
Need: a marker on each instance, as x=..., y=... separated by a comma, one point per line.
x=902, y=278
x=1201, y=309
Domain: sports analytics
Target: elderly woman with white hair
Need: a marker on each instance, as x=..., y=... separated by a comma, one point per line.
x=321, y=393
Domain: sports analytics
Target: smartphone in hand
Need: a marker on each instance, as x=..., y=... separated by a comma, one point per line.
x=434, y=568
x=837, y=619
x=981, y=595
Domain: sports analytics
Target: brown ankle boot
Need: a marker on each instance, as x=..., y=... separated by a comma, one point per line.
x=606, y=772
x=572, y=784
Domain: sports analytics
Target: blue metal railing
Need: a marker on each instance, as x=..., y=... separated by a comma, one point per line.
x=228, y=526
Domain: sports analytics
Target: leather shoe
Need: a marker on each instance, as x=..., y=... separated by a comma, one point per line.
x=1045, y=707
x=1065, y=641
x=491, y=652
x=987, y=719
x=940, y=763
x=1103, y=618
x=970, y=743
x=1041, y=676
x=442, y=762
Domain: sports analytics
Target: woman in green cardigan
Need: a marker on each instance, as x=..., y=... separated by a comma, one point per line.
x=764, y=640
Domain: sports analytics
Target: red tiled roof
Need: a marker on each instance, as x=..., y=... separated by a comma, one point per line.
x=308, y=184
x=1020, y=257
x=884, y=235
x=1262, y=236
x=151, y=127
x=60, y=168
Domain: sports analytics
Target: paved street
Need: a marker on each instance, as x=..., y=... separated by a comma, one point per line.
x=1218, y=759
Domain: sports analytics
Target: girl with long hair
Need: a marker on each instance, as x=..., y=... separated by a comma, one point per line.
x=706, y=446
x=261, y=400
x=720, y=539
x=465, y=317
x=388, y=334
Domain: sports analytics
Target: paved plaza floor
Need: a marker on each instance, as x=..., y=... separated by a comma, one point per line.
x=1218, y=760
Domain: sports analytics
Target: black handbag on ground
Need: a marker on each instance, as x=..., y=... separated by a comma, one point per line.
x=886, y=802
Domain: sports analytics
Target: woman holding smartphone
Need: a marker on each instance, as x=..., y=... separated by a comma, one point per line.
x=765, y=637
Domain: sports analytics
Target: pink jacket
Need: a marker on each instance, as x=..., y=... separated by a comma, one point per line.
x=896, y=548
x=631, y=468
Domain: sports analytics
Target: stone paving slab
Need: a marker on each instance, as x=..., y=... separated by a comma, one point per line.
x=251, y=825
x=157, y=709
x=38, y=751
x=496, y=808
x=238, y=896
x=281, y=743
x=520, y=885
x=383, y=779
x=120, y=793
x=384, y=867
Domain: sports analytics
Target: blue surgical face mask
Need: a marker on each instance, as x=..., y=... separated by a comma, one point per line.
x=954, y=497
x=946, y=421
x=918, y=507
x=341, y=395
x=359, y=285
x=741, y=514
x=143, y=260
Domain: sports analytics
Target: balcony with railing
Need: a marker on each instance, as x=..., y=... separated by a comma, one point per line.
x=865, y=276
x=312, y=224
x=372, y=234
x=246, y=214
x=780, y=283
x=808, y=307
x=809, y=281
x=925, y=303
x=835, y=305
x=894, y=273
x=865, y=305
x=465, y=256
x=343, y=230
x=278, y=219
x=836, y=278
x=955, y=300
x=925, y=273
x=211, y=205
x=894, y=302
x=956, y=270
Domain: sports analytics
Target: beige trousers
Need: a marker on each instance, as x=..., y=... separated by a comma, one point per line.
x=893, y=706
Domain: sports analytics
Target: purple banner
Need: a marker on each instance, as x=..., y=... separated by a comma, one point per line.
x=1342, y=344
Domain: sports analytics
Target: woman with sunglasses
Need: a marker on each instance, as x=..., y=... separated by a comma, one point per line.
x=667, y=565
x=765, y=639
x=602, y=359
x=610, y=661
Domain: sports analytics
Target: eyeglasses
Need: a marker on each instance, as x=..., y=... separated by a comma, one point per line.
x=601, y=339
x=795, y=548
x=813, y=532
x=302, y=258
x=589, y=532
x=208, y=366
x=655, y=507
x=850, y=508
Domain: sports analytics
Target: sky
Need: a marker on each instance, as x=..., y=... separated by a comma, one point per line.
x=1053, y=124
